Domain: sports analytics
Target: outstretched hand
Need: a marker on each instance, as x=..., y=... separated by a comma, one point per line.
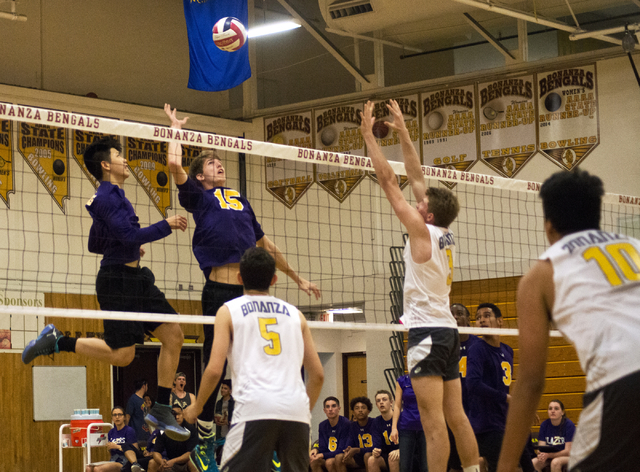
x=398, y=118
x=177, y=222
x=175, y=122
x=309, y=287
x=366, y=125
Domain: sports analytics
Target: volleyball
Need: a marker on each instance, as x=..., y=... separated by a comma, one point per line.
x=229, y=34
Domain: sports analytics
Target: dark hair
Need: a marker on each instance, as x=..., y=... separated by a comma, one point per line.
x=444, y=206
x=495, y=309
x=564, y=415
x=571, y=201
x=139, y=384
x=97, y=152
x=117, y=408
x=257, y=268
x=380, y=392
x=364, y=400
x=466, y=310
x=227, y=382
x=197, y=164
x=324, y=402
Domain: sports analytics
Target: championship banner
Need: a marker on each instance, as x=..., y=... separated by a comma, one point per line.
x=388, y=139
x=337, y=129
x=449, y=129
x=188, y=153
x=79, y=141
x=286, y=180
x=148, y=163
x=507, y=124
x=6, y=161
x=568, y=121
x=44, y=148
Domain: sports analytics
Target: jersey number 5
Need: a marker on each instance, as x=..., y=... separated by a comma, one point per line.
x=229, y=200
x=273, y=348
x=617, y=261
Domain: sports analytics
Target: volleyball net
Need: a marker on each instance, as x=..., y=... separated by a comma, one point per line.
x=349, y=246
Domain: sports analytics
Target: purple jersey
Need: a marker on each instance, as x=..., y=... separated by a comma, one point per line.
x=409, y=416
x=557, y=435
x=115, y=232
x=225, y=224
x=489, y=374
x=464, y=349
x=333, y=439
x=381, y=432
x=124, y=435
x=362, y=436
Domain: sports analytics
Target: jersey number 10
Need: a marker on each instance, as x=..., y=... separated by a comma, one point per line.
x=619, y=259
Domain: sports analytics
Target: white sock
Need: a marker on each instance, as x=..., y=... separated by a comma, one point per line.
x=205, y=428
x=471, y=468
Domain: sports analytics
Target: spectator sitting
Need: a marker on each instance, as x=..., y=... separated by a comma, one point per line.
x=179, y=396
x=121, y=444
x=406, y=430
x=333, y=436
x=385, y=455
x=148, y=403
x=177, y=452
x=223, y=414
x=136, y=411
x=360, y=444
x=556, y=431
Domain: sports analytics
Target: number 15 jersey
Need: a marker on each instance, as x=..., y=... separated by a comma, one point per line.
x=265, y=359
x=596, y=276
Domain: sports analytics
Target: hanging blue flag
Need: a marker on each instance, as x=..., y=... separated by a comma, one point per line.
x=211, y=69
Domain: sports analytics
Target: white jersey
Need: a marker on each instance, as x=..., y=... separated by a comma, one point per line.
x=427, y=286
x=265, y=359
x=596, y=276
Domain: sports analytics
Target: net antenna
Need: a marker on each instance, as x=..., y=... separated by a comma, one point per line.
x=628, y=45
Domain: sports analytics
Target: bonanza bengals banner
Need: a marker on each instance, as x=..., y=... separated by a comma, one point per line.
x=79, y=141
x=44, y=148
x=568, y=120
x=286, y=180
x=6, y=161
x=148, y=163
x=449, y=129
x=507, y=124
x=337, y=129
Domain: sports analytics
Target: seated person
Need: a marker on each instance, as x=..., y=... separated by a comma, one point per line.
x=177, y=452
x=122, y=446
x=360, y=442
x=223, y=415
x=385, y=454
x=558, y=432
x=333, y=437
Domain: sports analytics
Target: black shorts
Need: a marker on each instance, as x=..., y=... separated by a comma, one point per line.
x=124, y=288
x=609, y=428
x=214, y=295
x=434, y=352
x=249, y=446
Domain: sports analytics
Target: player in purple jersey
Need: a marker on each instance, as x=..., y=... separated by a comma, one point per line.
x=360, y=442
x=385, y=454
x=557, y=433
x=333, y=437
x=226, y=227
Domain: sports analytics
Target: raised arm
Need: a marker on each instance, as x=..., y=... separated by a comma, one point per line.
x=312, y=364
x=282, y=264
x=535, y=299
x=411, y=158
x=175, y=149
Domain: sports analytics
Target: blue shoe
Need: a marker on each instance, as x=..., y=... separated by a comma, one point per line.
x=203, y=455
x=45, y=344
x=275, y=463
x=161, y=417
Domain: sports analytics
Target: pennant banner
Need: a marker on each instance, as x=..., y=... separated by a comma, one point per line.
x=45, y=150
x=507, y=124
x=568, y=118
x=79, y=142
x=286, y=180
x=148, y=163
x=6, y=161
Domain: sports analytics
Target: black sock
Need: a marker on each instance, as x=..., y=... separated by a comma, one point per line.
x=164, y=395
x=67, y=344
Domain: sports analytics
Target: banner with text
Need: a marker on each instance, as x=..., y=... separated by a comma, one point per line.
x=449, y=129
x=79, y=141
x=17, y=330
x=569, y=126
x=189, y=152
x=45, y=150
x=287, y=180
x=507, y=124
x=6, y=161
x=148, y=163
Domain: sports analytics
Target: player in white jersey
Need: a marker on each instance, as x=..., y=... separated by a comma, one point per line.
x=266, y=341
x=588, y=283
x=434, y=347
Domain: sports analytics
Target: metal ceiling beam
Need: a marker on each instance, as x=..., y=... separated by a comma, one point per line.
x=592, y=34
x=328, y=45
x=530, y=18
x=488, y=36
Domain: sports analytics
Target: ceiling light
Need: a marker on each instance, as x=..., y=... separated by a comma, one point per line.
x=272, y=28
x=345, y=311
